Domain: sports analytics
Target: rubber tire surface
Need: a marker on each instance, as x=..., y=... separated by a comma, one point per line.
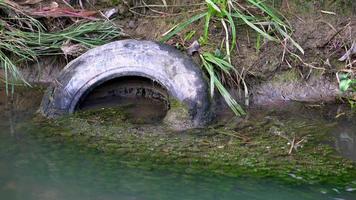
x=161, y=63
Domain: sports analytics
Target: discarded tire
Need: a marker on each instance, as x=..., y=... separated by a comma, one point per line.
x=173, y=70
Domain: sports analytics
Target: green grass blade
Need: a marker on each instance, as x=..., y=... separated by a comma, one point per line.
x=221, y=63
x=269, y=11
x=254, y=27
x=210, y=69
x=206, y=27
x=182, y=26
x=233, y=29
x=258, y=43
x=284, y=34
x=208, y=60
x=213, y=5
x=231, y=102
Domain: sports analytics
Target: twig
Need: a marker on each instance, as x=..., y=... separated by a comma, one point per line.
x=233, y=134
x=291, y=146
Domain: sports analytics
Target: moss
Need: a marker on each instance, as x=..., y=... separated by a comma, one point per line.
x=290, y=76
x=317, y=73
x=257, y=147
x=178, y=116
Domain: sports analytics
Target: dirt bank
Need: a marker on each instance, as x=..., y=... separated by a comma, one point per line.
x=323, y=28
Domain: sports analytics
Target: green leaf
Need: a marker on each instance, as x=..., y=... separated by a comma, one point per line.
x=345, y=84
x=344, y=76
x=281, y=31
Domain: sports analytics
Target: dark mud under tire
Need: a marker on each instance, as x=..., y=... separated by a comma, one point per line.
x=161, y=63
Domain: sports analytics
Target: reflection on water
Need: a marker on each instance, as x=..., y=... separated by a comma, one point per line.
x=340, y=116
x=48, y=168
x=345, y=143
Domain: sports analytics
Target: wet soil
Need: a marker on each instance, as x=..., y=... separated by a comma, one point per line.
x=270, y=77
x=323, y=36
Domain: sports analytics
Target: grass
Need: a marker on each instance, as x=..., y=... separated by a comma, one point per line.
x=210, y=62
x=264, y=20
x=25, y=39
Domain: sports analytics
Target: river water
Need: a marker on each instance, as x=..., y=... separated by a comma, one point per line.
x=36, y=169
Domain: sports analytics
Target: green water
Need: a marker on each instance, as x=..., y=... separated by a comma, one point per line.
x=33, y=167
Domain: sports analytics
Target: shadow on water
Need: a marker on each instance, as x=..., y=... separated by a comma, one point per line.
x=143, y=99
x=345, y=135
x=51, y=168
x=340, y=116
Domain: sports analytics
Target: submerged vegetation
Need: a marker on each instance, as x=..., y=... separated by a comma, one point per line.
x=292, y=149
x=24, y=39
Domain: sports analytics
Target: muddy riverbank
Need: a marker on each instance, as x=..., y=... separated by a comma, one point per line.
x=323, y=29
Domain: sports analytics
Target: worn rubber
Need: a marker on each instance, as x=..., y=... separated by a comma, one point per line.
x=164, y=64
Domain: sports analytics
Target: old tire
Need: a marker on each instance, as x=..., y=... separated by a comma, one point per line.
x=161, y=63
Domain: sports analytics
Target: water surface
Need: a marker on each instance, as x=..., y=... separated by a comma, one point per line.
x=49, y=168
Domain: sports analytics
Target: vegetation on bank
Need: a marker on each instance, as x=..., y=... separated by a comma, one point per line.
x=24, y=39
x=347, y=83
x=267, y=23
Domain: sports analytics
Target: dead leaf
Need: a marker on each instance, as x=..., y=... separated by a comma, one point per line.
x=74, y=50
x=65, y=12
x=349, y=52
x=30, y=2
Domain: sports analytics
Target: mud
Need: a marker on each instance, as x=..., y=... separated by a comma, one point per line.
x=321, y=35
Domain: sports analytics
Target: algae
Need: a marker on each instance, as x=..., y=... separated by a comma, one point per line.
x=178, y=116
x=258, y=146
x=289, y=76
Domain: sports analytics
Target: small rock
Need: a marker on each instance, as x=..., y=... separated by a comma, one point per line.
x=132, y=24
x=336, y=190
x=53, y=5
x=194, y=47
x=350, y=189
x=110, y=13
x=323, y=191
x=75, y=50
